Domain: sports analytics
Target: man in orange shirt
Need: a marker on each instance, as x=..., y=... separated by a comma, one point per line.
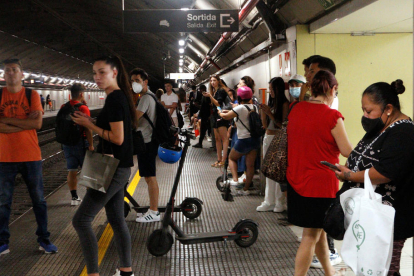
x=20, y=153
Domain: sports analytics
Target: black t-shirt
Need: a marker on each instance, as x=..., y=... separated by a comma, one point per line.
x=220, y=96
x=391, y=153
x=116, y=109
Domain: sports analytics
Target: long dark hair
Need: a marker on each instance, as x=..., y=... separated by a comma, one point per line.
x=382, y=93
x=123, y=82
x=276, y=103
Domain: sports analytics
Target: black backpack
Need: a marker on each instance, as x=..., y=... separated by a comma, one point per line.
x=28, y=95
x=67, y=132
x=161, y=134
x=255, y=122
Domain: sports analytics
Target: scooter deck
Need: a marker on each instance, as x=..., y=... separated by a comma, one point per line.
x=161, y=209
x=207, y=237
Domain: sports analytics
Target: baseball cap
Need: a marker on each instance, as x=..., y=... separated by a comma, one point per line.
x=298, y=78
x=244, y=92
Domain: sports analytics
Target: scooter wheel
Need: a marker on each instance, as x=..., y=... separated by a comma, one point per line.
x=220, y=184
x=127, y=209
x=191, y=208
x=159, y=242
x=249, y=234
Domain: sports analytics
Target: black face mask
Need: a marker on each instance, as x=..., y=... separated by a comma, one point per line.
x=372, y=126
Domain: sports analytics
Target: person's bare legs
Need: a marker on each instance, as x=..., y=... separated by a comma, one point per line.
x=153, y=192
x=72, y=180
x=219, y=145
x=250, y=160
x=322, y=252
x=233, y=157
x=313, y=240
x=224, y=140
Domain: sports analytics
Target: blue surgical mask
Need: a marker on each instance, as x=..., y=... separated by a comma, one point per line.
x=294, y=92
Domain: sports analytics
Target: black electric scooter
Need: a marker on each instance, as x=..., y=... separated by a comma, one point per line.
x=244, y=233
x=191, y=207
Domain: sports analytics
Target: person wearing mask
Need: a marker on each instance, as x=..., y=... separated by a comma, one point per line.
x=147, y=159
x=295, y=84
x=114, y=127
x=387, y=150
x=273, y=115
x=218, y=97
x=312, y=187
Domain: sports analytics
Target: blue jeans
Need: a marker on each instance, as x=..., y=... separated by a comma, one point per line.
x=75, y=155
x=32, y=175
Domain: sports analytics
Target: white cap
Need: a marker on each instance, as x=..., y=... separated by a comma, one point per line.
x=298, y=78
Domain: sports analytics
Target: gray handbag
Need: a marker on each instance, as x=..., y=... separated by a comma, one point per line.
x=98, y=170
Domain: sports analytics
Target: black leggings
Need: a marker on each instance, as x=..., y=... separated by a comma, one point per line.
x=205, y=126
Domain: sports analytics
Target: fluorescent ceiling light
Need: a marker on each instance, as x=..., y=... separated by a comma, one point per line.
x=181, y=50
x=180, y=70
x=184, y=9
x=181, y=42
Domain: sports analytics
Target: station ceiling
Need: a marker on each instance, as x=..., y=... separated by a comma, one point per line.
x=63, y=37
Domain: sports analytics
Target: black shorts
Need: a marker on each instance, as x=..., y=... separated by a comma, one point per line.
x=147, y=159
x=221, y=123
x=307, y=212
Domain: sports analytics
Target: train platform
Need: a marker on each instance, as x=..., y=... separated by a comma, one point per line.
x=272, y=254
x=52, y=113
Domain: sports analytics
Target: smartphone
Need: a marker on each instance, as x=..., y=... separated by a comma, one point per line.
x=332, y=166
x=219, y=108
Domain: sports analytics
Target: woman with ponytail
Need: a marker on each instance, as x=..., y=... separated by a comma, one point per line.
x=114, y=125
x=387, y=149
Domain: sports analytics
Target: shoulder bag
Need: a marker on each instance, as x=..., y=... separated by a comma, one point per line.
x=98, y=170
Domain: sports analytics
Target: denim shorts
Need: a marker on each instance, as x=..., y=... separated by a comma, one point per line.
x=75, y=155
x=246, y=145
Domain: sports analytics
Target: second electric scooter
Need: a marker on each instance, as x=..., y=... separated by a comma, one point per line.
x=244, y=233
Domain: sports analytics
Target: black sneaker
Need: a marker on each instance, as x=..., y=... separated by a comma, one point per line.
x=198, y=146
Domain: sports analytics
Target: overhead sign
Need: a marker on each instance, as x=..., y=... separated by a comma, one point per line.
x=186, y=21
x=182, y=76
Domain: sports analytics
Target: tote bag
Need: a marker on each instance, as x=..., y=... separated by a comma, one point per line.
x=98, y=170
x=368, y=240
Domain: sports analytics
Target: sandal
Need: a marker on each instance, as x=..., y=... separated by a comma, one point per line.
x=220, y=164
x=215, y=164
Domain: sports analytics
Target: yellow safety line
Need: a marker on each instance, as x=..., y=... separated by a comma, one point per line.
x=107, y=235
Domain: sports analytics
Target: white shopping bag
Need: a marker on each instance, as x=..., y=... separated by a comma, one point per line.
x=367, y=244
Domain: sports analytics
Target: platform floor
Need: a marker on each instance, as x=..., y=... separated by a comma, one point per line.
x=272, y=254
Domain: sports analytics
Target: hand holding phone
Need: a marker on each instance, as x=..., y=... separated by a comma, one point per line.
x=219, y=108
x=332, y=166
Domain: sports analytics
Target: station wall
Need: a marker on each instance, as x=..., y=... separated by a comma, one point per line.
x=361, y=61
x=95, y=98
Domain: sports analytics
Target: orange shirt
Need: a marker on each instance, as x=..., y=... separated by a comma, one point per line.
x=20, y=146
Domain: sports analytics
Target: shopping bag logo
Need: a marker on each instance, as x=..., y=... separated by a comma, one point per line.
x=359, y=234
x=349, y=205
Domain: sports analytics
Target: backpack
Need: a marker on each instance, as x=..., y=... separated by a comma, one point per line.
x=161, y=134
x=255, y=122
x=67, y=132
x=28, y=95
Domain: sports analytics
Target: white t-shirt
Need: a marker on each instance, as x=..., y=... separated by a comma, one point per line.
x=169, y=100
x=241, y=110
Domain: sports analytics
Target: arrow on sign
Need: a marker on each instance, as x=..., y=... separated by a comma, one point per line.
x=231, y=20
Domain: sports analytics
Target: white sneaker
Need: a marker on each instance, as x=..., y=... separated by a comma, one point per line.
x=150, y=216
x=242, y=178
x=265, y=207
x=75, y=201
x=243, y=192
x=209, y=139
x=118, y=273
x=333, y=257
x=233, y=183
x=279, y=208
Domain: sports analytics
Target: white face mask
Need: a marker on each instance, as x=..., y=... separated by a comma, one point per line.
x=294, y=92
x=137, y=87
